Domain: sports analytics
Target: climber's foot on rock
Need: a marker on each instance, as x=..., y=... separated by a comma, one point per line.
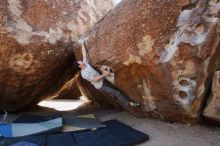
x=137, y=111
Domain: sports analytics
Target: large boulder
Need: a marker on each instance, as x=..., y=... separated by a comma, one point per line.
x=69, y=91
x=212, y=110
x=162, y=53
x=36, y=46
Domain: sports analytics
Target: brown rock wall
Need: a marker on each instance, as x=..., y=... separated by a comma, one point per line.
x=36, y=49
x=162, y=53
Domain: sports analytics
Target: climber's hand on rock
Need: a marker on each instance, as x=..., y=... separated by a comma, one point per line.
x=80, y=41
x=106, y=73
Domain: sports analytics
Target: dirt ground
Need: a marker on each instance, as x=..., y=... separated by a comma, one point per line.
x=169, y=134
x=161, y=133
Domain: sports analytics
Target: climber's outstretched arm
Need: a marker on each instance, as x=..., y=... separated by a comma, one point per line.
x=84, y=53
x=98, y=78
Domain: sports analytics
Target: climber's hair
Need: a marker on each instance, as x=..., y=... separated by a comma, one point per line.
x=75, y=65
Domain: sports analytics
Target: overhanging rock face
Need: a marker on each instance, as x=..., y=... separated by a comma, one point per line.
x=162, y=53
x=35, y=45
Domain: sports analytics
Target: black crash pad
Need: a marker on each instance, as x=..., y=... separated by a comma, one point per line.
x=114, y=134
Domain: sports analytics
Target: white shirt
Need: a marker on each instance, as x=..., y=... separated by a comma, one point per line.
x=89, y=73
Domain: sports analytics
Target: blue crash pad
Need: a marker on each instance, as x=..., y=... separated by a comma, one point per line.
x=5, y=130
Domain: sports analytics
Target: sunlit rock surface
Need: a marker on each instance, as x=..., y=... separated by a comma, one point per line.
x=50, y=20
x=36, y=45
x=162, y=53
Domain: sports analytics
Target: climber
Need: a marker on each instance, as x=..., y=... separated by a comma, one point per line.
x=98, y=81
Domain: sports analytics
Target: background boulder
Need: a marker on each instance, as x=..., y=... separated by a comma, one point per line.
x=212, y=110
x=36, y=50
